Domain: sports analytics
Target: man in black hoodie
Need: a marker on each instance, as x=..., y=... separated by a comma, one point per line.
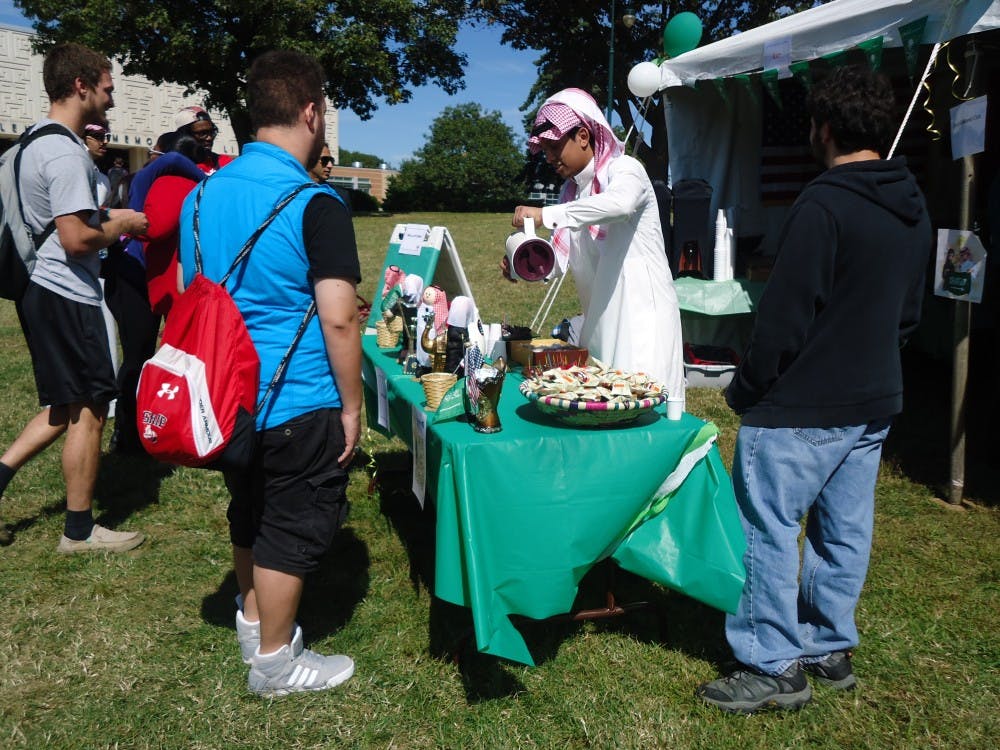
x=817, y=390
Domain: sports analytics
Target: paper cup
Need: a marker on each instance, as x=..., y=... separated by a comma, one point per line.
x=531, y=258
x=675, y=408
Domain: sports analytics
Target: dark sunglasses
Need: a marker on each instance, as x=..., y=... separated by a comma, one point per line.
x=326, y=161
x=100, y=136
x=211, y=132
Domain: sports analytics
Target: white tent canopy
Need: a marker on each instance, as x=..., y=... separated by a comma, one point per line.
x=715, y=135
x=830, y=28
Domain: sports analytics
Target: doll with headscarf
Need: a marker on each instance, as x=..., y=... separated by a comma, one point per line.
x=432, y=322
x=606, y=230
x=411, y=288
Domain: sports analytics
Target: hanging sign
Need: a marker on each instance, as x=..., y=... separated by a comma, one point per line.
x=778, y=56
x=968, y=128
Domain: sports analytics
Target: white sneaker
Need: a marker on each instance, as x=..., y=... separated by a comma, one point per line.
x=248, y=634
x=102, y=540
x=294, y=669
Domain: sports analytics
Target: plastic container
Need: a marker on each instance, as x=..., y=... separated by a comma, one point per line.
x=709, y=376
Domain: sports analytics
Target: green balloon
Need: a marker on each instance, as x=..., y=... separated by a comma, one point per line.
x=682, y=34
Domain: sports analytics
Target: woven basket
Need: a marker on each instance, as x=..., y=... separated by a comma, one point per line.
x=385, y=336
x=436, y=384
x=591, y=413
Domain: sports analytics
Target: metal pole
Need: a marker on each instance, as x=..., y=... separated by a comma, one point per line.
x=611, y=66
x=962, y=325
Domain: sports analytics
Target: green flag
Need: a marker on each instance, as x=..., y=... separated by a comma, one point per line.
x=873, y=52
x=836, y=59
x=748, y=84
x=770, y=80
x=912, y=35
x=720, y=87
x=802, y=73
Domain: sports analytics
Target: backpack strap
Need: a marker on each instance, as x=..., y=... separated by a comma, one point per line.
x=244, y=252
x=241, y=257
x=27, y=137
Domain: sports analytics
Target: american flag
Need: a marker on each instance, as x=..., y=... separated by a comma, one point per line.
x=786, y=161
x=787, y=164
x=473, y=361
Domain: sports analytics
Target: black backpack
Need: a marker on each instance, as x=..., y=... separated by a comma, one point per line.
x=18, y=244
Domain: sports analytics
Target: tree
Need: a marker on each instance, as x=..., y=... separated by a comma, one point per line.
x=369, y=48
x=574, y=36
x=370, y=161
x=470, y=162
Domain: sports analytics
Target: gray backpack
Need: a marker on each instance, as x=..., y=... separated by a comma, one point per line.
x=18, y=244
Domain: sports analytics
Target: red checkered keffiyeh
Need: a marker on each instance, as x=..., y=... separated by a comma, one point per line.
x=564, y=111
x=394, y=276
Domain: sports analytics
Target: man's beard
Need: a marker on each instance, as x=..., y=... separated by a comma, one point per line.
x=317, y=147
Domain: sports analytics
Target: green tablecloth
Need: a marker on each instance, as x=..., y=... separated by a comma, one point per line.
x=523, y=514
x=733, y=297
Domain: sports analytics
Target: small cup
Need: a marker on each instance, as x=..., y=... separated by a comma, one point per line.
x=675, y=408
x=531, y=258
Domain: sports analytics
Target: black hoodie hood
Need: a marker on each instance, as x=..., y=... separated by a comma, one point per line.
x=884, y=182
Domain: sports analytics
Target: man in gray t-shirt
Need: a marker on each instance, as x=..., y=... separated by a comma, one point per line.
x=60, y=311
x=57, y=179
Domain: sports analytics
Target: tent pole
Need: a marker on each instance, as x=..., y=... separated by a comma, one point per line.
x=962, y=322
x=960, y=358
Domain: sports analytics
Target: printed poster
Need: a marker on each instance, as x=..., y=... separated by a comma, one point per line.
x=960, y=268
x=419, y=425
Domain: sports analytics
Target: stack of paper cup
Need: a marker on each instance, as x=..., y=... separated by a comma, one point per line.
x=722, y=259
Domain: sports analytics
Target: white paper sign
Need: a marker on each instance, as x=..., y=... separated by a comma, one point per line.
x=778, y=56
x=419, y=450
x=960, y=270
x=383, y=398
x=968, y=128
x=413, y=239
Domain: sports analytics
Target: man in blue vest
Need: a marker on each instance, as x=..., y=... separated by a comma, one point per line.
x=284, y=512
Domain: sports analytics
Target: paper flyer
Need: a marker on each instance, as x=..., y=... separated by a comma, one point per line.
x=968, y=128
x=419, y=448
x=960, y=268
x=383, y=398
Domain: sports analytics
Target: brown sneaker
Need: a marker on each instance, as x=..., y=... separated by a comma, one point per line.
x=103, y=540
x=6, y=535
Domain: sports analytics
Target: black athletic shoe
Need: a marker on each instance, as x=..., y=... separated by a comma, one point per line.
x=834, y=671
x=6, y=535
x=746, y=690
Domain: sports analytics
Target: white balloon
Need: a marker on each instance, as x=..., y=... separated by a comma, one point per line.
x=644, y=79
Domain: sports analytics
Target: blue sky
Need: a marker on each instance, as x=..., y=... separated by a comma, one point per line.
x=496, y=77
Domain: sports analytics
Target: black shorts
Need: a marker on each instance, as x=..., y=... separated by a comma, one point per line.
x=288, y=507
x=70, y=352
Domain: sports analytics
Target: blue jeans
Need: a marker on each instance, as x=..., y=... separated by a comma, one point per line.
x=780, y=475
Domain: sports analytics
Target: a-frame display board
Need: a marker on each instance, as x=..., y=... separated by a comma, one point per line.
x=429, y=252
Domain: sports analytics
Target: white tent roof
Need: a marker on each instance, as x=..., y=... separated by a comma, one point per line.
x=829, y=28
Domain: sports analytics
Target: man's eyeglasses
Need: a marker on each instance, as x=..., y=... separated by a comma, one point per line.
x=205, y=132
x=100, y=136
x=326, y=161
x=154, y=152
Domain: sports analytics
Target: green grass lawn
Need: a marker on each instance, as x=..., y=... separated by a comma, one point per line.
x=138, y=650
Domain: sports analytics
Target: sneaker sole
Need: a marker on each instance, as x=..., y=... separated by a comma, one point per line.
x=844, y=683
x=337, y=679
x=85, y=547
x=784, y=702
